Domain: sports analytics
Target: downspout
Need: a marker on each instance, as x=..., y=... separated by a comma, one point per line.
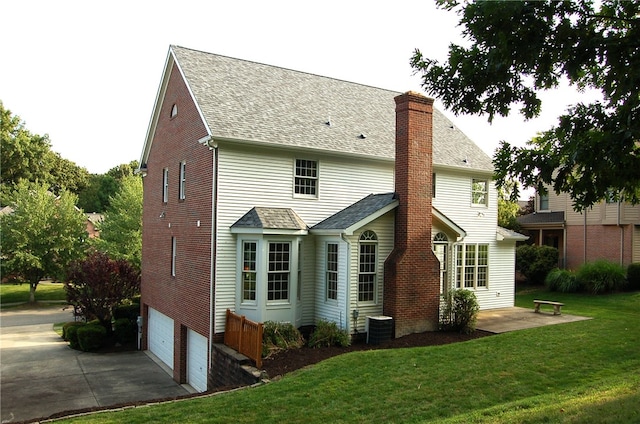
x=347, y=302
x=621, y=236
x=584, y=237
x=214, y=232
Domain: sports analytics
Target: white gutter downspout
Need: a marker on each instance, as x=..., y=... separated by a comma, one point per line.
x=347, y=302
x=621, y=235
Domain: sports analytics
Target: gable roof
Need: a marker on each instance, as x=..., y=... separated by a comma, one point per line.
x=270, y=221
x=507, y=234
x=245, y=101
x=357, y=215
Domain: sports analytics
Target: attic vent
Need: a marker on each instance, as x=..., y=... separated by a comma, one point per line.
x=362, y=136
x=328, y=123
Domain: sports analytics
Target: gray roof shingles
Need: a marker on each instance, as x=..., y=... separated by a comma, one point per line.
x=356, y=212
x=245, y=100
x=542, y=218
x=271, y=218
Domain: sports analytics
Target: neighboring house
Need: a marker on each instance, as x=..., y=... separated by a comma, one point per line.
x=287, y=196
x=93, y=224
x=608, y=230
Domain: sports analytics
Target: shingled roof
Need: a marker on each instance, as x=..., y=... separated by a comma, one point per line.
x=248, y=101
x=271, y=219
x=367, y=208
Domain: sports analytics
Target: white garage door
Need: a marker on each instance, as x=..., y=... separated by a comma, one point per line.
x=161, y=336
x=197, y=361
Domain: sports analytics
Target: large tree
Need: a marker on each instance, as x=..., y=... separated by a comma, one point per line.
x=41, y=235
x=516, y=50
x=27, y=156
x=121, y=230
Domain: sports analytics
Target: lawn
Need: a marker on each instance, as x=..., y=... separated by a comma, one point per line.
x=581, y=372
x=14, y=293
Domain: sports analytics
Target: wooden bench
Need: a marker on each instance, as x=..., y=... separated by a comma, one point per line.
x=556, y=306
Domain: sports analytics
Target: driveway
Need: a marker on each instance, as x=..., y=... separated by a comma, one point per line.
x=41, y=376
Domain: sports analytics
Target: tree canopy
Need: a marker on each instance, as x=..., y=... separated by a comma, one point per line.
x=27, y=156
x=121, y=230
x=41, y=235
x=518, y=49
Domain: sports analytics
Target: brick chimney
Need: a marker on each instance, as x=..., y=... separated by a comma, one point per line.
x=411, y=277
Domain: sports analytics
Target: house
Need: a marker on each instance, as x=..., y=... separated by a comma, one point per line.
x=287, y=196
x=608, y=230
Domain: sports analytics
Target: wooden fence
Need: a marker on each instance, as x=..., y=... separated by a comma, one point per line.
x=245, y=336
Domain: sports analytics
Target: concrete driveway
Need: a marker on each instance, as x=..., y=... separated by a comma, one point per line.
x=41, y=376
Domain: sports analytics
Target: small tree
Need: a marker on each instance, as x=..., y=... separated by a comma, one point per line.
x=98, y=283
x=42, y=235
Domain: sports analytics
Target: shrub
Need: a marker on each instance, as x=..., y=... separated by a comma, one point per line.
x=535, y=262
x=460, y=311
x=563, y=281
x=278, y=336
x=601, y=276
x=91, y=337
x=71, y=334
x=125, y=330
x=633, y=276
x=328, y=334
x=65, y=327
x=130, y=312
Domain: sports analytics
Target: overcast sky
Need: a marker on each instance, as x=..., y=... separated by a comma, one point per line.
x=87, y=72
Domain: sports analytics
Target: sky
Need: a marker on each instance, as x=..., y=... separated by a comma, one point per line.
x=87, y=72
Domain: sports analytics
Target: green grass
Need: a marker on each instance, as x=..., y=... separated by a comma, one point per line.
x=15, y=293
x=581, y=372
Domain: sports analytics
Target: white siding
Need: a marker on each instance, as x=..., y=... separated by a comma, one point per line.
x=453, y=199
x=328, y=309
x=248, y=178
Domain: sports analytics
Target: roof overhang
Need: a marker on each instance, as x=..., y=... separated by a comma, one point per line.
x=449, y=224
x=357, y=225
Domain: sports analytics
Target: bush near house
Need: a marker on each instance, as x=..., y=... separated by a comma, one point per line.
x=460, y=311
x=601, y=277
x=279, y=336
x=535, y=262
x=91, y=337
x=562, y=280
x=633, y=276
x=328, y=334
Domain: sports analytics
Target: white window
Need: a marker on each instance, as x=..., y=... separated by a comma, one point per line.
x=367, y=266
x=278, y=272
x=165, y=185
x=183, y=181
x=249, y=257
x=174, y=110
x=173, y=256
x=472, y=266
x=480, y=192
x=306, y=178
x=332, y=271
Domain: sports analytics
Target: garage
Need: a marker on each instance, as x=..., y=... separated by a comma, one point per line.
x=160, y=337
x=197, y=359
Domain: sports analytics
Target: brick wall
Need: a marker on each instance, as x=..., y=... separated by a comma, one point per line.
x=603, y=242
x=185, y=297
x=412, y=285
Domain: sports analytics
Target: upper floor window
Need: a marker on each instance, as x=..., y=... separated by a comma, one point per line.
x=249, y=257
x=278, y=272
x=479, y=192
x=367, y=266
x=332, y=271
x=544, y=202
x=174, y=110
x=165, y=185
x=472, y=266
x=433, y=185
x=306, y=177
x=183, y=181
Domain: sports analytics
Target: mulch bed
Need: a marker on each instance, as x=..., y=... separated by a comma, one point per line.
x=291, y=360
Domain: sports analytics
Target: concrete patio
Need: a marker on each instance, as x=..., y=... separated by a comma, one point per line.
x=511, y=319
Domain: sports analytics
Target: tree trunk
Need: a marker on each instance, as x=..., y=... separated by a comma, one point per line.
x=32, y=292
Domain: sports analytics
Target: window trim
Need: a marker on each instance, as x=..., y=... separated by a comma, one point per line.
x=331, y=272
x=182, y=181
x=484, y=193
x=270, y=272
x=466, y=265
x=368, y=238
x=165, y=185
x=174, y=255
x=297, y=185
